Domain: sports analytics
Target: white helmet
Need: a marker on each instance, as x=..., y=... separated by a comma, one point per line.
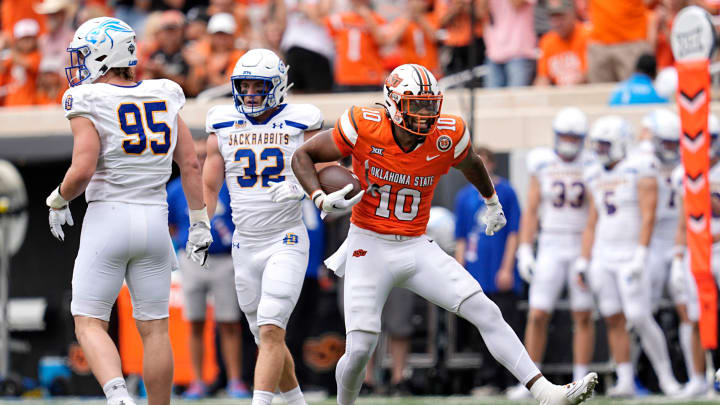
x=98, y=45
x=714, y=129
x=412, y=98
x=610, y=137
x=265, y=65
x=664, y=126
x=441, y=228
x=569, y=122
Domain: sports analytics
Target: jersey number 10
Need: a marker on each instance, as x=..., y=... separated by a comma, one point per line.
x=132, y=123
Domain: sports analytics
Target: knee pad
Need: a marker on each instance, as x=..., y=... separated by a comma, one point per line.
x=481, y=311
x=359, y=346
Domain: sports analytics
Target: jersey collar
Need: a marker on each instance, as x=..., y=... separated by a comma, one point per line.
x=271, y=116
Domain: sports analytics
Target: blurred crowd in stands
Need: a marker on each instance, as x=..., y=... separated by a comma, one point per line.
x=347, y=45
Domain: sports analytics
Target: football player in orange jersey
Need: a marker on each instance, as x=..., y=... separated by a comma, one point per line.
x=403, y=149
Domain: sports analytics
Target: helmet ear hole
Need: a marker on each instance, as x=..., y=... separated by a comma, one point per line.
x=101, y=58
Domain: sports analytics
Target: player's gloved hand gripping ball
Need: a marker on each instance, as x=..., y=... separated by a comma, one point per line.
x=199, y=237
x=59, y=214
x=494, y=218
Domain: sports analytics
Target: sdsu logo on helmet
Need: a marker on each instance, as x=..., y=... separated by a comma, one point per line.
x=444, y=143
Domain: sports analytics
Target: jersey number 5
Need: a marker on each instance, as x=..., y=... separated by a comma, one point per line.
x=132, y=123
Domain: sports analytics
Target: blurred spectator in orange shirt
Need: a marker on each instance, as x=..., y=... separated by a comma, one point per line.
x=58, y=15
x=617, y=39
x=168, y=60
x=22, y=64
x=562, y=50
x=415, y=35
x=12, y=11
x=358, y=37
x=50, y=84
x=453, y=18
x=212, y=60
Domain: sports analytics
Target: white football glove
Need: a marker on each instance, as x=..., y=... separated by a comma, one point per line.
x=633, y=270
x=59, y=214
x=286, y=191
x=677, y=276
x=199, y=237
x=494, y=218
x=335, y=201
x=578, y=272
x=525, y=262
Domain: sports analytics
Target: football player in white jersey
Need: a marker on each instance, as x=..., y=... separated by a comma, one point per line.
x=557, y=195
x=682, y=281
x=126, y=135
x=661, y=133
x=620, y=223
x=251, y=144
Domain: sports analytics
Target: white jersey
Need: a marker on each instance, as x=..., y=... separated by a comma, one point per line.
x=714, y=175
x=258, y=154
x=615, y=196
x=563, y=207
x=137, y=126
x=666, y=211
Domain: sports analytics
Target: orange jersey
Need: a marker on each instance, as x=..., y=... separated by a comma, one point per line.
x=563, y=61
x=357, y=55
x=616, y=21
x=406, y=181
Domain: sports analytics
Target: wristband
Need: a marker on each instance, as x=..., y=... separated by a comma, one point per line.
x=641, y=253
x=493, y=200
x=55, y=200
x=581, y=263
x=314, y=197
x=200, y=215
x=678, y=250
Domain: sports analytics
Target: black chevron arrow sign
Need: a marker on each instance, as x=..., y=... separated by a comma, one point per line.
x=692, y=103
x=693, y=143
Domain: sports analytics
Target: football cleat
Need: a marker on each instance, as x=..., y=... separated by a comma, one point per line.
x=574, y=393
x=121, y=401
x=696, y=387
x=621, y=391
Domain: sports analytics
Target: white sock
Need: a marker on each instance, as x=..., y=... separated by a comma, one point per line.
x=542, y=389
x=294, y=396
x=116, y=388
x=697, y=378
x=685, y=337
x=624, y=373
x=579, y=371
x=653, y=343
x=262, y=397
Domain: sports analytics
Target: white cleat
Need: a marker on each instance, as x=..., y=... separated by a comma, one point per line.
x=573, y=393
x=696, y=387
x=621, y=391
x=121, y=401
x=518, y=392
x=671, y=387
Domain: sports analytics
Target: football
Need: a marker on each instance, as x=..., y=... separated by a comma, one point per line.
x=333, y=178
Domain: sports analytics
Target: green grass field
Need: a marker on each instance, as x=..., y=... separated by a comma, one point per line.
x=388, y=401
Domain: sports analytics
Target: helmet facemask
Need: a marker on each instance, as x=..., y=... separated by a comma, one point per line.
x=667, y=151
x=714, y=146
x=241, y=88
x=568, y=145
x=77, y=72
x=417, y=114
x=603, y=151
